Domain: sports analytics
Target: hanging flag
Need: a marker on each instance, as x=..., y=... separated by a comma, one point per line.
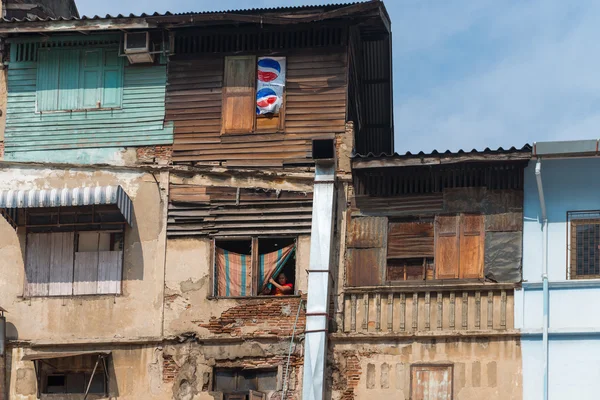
x=270, y=84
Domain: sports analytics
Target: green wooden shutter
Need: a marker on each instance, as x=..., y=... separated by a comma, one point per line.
x=47, y=80
x=68, y=81
x=112, y=79
x=91, y=79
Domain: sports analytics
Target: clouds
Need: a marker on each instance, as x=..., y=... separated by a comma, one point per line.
x=472, y=73
x=524, y=72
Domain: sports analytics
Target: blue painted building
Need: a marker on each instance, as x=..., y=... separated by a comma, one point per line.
x=76, y=99
x=555, y=308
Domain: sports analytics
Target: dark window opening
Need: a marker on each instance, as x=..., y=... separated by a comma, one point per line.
x=244, y=267
x=241, y=381
x=72, y=375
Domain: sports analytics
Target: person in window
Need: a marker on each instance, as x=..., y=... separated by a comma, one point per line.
x=281, y=287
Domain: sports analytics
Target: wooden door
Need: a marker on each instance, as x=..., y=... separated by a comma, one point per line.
x=446, y=246
x=471, y=247
x=431, y=382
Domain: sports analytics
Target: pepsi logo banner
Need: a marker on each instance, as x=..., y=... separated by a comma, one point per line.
x=270, y=84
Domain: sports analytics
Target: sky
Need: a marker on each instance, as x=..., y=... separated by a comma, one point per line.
x=470, y=73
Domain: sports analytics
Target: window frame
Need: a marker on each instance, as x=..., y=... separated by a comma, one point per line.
x=431, y=260
x=120, y=68
x=239, y=372
x=254, y=240
x=575, y=218
x=280, y=128
x=96, y=227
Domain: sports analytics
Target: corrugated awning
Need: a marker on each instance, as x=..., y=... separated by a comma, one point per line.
x=47, y=355
x=85, y=196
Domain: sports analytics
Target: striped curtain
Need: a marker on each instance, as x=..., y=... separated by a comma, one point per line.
x=234, y=273
x=271, y=264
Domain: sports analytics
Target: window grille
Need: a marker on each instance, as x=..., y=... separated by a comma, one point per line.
x=583, y=245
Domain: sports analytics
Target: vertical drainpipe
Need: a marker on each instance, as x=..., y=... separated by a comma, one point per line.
x=546, y=294
x=319, y=273
x=3, y=394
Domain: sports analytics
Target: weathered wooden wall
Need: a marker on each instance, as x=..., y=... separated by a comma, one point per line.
x=139, y=122
x=315, y=107
x=230, y=211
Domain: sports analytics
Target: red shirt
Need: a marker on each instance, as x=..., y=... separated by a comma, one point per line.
x=278, y=291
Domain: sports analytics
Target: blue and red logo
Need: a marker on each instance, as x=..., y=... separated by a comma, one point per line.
x=266, y=98
x=268, y=69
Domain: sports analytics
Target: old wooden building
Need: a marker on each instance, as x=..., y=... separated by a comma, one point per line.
x=433, y=252
x=158, y=171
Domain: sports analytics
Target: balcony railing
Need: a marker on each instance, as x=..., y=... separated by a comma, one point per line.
x=426, y=310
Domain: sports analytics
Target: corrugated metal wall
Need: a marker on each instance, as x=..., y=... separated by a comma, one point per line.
x=140, y=121
x=315, y=107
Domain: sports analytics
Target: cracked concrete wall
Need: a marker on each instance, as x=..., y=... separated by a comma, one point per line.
x=135, y=372
x=137, y=312
x=484, y=368
x=190, y=311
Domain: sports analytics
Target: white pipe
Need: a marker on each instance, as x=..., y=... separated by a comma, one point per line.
x=317, y=302
x=546, y=294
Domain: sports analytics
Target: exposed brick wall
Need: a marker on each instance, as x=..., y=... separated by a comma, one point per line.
x=345, y=373
x=154, y=154
x=268, y=316
x=170, y=368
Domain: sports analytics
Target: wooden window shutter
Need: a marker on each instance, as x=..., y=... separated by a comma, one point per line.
x=68, y=90
x=366, y=251
x=447, y=247
x=410, y=240
x=472, y=240
x=112, y=78
x=47, y=80
x=239, y=104
x=91, y=79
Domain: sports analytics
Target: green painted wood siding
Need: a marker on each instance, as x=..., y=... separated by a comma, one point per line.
x=139, y=121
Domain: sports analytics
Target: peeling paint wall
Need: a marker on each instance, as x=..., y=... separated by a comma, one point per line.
x=137, y=312
x=482, y=368
x=190, y=311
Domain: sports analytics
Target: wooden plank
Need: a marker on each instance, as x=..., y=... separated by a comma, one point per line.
x=61, y=264
x=410, y=240
x=110, y=264
x=472, y=239
x=365, y=232
x=37, y=264
x=86, y=273
x=446, y=247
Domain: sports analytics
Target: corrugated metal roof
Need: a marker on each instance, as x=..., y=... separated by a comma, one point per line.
x=170, y=14
x=435, y=153
x=97, y=195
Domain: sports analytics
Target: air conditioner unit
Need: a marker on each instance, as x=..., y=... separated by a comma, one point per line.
x=137, y=47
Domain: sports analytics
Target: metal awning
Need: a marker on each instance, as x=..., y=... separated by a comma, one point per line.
x=48, y=355
x=84, y=196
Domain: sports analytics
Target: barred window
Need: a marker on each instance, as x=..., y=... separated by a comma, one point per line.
x=584, y=245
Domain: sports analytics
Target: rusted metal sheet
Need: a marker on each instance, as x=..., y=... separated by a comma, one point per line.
x=410, y=239
x=365, y=232
x=364, y=266
x=504, y=222
x=398, y=205
x=315, y=106
x=230, y=211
